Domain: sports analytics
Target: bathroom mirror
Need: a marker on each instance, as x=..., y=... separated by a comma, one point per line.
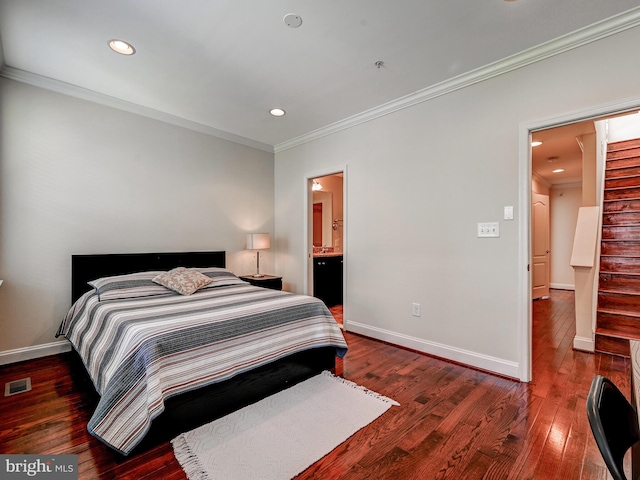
x=322, y=219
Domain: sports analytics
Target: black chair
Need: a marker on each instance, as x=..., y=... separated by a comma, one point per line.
x=614, y=423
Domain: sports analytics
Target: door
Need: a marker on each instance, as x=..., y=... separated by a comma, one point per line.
x=540, y=274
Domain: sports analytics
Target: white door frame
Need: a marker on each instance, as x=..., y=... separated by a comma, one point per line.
x=525, y=309
x=308, y=232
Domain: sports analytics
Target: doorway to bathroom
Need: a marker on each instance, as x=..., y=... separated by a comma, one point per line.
x=327, y=242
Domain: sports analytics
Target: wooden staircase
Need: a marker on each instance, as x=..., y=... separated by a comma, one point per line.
x=618, y=314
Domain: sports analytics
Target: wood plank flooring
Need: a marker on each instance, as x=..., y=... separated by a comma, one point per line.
x=453, y=422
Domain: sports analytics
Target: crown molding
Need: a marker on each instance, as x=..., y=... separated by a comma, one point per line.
x=109, y=101
x=543, y=181
x=583, y=36
x=592, y=33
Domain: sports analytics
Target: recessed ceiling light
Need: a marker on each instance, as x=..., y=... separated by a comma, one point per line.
x=536, y=143
x=121, y=47
x=558, y=170
x=277, y=112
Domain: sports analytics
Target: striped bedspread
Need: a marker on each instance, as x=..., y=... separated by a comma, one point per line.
x=141, y=351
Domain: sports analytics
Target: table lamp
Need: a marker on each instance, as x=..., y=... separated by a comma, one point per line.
x=258, y=241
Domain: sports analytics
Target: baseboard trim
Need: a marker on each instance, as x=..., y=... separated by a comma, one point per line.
x=473, y=359
x=562, y=286
x=584, y=344
x=29, y=353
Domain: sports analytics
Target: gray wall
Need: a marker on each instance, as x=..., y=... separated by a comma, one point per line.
x=77, y=177
x=418, y=182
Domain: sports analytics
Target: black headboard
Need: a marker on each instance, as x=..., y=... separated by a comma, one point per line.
x=85, y=268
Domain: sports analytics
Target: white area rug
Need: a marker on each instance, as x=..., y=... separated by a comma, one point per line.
x=280, y=436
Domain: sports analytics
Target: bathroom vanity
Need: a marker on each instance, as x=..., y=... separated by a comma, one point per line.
x=327, y=278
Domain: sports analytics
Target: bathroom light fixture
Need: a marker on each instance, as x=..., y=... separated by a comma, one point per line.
x=258, y=241
x=121, y=47
x=558, y=170
x=277, y=112
x=316, y=186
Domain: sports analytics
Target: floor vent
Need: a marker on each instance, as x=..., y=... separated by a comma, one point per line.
x=17, y=386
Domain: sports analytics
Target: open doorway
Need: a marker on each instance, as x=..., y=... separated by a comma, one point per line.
x=561, y=174
x=557, y=169
x=327, y=242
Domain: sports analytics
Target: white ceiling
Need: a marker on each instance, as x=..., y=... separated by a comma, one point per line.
x=222, y=64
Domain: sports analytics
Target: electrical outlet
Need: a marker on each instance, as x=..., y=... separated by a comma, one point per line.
x=415, y=309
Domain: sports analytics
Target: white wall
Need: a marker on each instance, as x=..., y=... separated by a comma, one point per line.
x=420, y=179
x=564, y=202
x=624, y=128
x=76, y=177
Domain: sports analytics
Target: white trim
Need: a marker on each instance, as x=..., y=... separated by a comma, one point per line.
x=459, y=355
x=37, y=351
x=525, y=308
x=308, y=256
x=109, y=101
x=583, y=36
x=562, y=286
x=543, y=181
x=584, y=344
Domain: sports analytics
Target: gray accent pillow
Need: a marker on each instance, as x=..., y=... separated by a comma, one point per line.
x=132, y=285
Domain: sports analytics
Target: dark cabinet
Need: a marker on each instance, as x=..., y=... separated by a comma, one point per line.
x=327, y=279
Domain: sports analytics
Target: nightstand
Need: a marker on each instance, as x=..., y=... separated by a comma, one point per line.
x=267, y=281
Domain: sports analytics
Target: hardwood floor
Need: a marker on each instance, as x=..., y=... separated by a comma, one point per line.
x=338, y=314
x=453, y=422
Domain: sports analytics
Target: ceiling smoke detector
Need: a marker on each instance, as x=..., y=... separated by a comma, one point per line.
x=292, y=20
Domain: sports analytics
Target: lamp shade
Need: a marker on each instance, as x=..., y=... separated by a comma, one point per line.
x=258, y=241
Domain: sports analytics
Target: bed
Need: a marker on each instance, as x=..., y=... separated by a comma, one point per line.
x=164, y=362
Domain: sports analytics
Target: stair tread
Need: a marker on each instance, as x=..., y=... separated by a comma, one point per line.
x=619, y=167
x=622, y=176
x=608, y=332
x=618, y=311
x=615, y=189
x=620, y=199
x=623, y=225
x=631, y=274
x=618, y=292
x=623, y=145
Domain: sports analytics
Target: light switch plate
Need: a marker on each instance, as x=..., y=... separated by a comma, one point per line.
x=508, y=212
x=488, y=230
